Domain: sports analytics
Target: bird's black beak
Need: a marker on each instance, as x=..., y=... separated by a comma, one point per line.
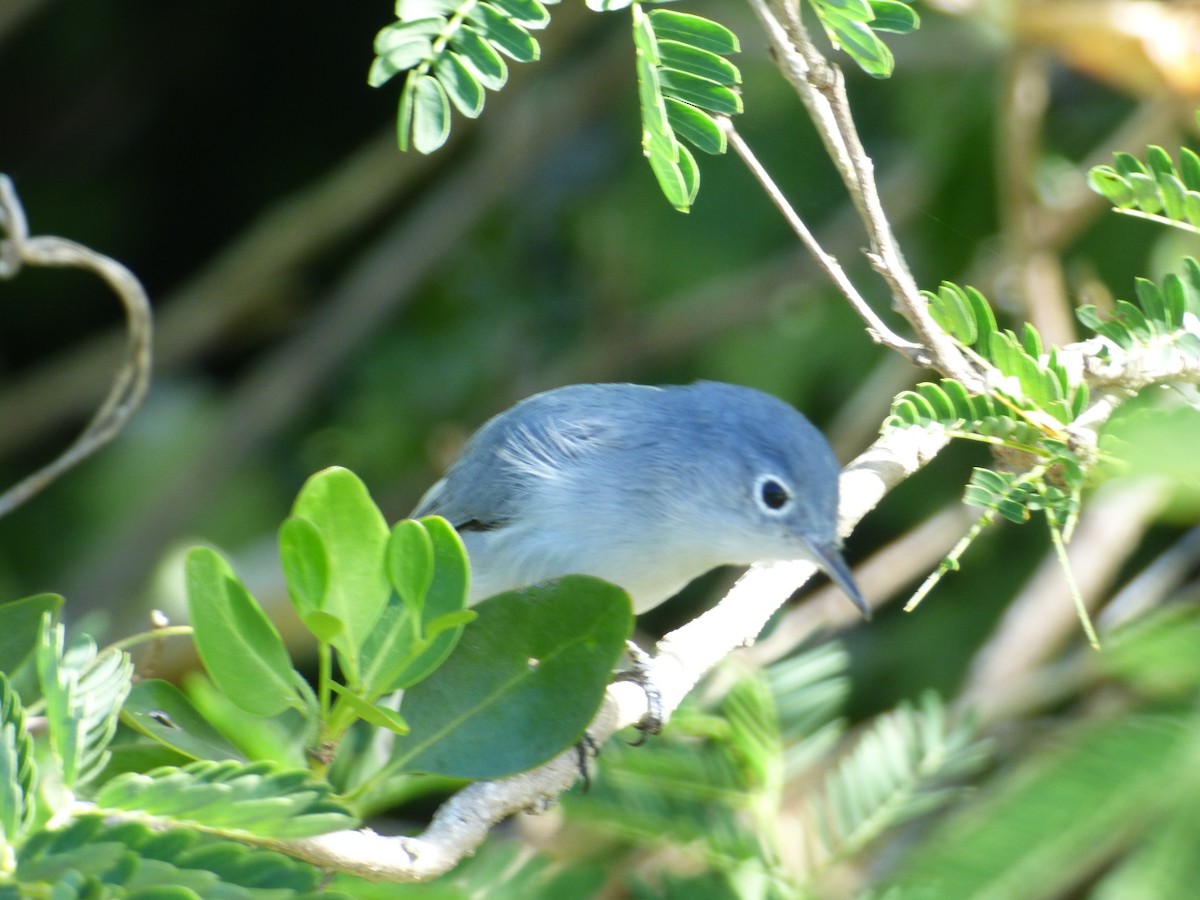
x=830, y=559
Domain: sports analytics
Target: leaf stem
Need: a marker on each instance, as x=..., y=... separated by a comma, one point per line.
x=1060, y=550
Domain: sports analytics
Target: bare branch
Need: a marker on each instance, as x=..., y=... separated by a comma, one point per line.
x=822, y=90
x=876, y=327
x=132, y=380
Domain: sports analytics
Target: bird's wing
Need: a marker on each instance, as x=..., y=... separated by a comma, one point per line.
x=504, y=461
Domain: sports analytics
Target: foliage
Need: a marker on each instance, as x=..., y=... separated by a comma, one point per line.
x=385, y=605
x=1084, y=811
x=91, y=858
x=724, y=788
x=1157, y=189
x=1027, y=415
x=452, y=52
x=254, y=799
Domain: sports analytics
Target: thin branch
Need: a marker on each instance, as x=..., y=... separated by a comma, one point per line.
x=876, y=327
x=132, y=379
x=1042, y=618
x=822, y=90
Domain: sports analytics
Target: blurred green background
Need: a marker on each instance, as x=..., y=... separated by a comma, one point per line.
x=323, y=299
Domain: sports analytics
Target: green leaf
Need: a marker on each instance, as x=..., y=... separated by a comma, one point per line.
x=1175, y=303
x=406, y=56
x=1191, y=207
x=1159, y=161
x=257, y=799
x=523, y=683
x=255, y=737
x=939, y=401
x=1191, y=283
x=678, y=179
x=410, y=563
x=1151, y=300
x=1127, y=164
x=924, y=409
x=1089, y=316
x=985, y=319
x=132, y=860
x=700, y=92
x=1189, y=169
x=504, y=33
x=240, y=648
x=59, y=694
x=1133, y=319
x=859, y=42
x=20, y=625
x=160, y=711
x=430, y=113
x=695, y=31
x=951, y=310
x=83, y=691
x=697, y=62
x=1112, y=186
x=530, y=13
x=1155, y=654
x=1174, y=197
x=18, y=773
x=305, y=564
x=1146, y=193
x=372, y=713
x=895, y=772
x=398, y=34
x=404, y=113
x=859, y=10
x=486, y=64
x=1031, y=341
x=1080, y=797
x=354, y=534
x=461, y=85
x=696, y=126
x=960, y=399
x=894, y=16
x=393, y=657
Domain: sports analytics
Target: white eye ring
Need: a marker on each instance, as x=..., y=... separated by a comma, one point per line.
x=773, y=495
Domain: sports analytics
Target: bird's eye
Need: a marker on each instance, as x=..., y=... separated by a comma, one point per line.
x=773, y=494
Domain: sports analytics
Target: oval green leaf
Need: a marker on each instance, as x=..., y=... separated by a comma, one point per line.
x=305, y=564
x=410, y=562
x=894, y=16
x=530, y=13
x=696, y=126
x=504, y=33
x=701, y=63
x=485, y=63
x=460, y=83
x=523, y=683
x=700, y=92
x=402, y=650
x=20, y=624
x=240, y=648
x=694, y=30
x=430, y=114
x=161, y=711
x=405, y=56
x=354, y=535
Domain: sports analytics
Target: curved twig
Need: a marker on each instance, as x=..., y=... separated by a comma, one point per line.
x=132, y=380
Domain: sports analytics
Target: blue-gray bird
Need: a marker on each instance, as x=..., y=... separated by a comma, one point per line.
x=645, y=487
